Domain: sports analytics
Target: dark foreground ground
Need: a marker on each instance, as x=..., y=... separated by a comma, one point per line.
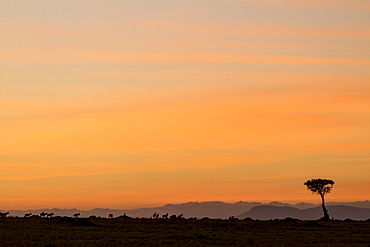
x=63, y=231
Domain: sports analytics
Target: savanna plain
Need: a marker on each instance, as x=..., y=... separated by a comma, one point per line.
x=125, y=231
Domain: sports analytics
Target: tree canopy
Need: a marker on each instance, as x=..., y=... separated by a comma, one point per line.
x=319, y=186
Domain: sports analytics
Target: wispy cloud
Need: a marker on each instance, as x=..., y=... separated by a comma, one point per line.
x=350, y=159
x=342, y=4
x=96, y=58
x=42, y=176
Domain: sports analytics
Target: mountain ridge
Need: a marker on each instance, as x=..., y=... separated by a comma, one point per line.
x=340, y=212
x=210, y=209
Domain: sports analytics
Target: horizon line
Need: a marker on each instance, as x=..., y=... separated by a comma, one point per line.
x=85, y=210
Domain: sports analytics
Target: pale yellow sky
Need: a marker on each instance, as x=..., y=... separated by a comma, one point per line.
x=126, y=104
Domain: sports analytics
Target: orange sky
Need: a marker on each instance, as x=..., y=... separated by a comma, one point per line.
x=127, y=104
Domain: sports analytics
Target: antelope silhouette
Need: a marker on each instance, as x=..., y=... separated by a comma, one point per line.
x=4, y=214
x=155, y=215
x=49, y=215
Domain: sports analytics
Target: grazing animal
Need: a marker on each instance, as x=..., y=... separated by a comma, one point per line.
x=155, y=215
x=76, y=215
x=27, y=215
x=165, y=216
x=49, y=215
x=110, y=216
x=4, y=214
x=180, y=216
x=231, y=218
x=173, y=216
x=43, y=214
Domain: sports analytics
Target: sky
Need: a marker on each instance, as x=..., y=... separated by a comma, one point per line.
x=139, y=103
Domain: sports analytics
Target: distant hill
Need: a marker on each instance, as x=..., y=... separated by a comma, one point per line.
x=266, y=212
x=359, y=204
x=208, y=209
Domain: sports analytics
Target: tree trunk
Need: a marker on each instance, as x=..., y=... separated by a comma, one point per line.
x=326, y=215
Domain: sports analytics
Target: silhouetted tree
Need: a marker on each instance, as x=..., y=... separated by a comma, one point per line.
x=321, y=187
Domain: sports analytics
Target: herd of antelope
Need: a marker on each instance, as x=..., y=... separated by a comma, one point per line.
x=110, y=216
x=165, y=216
x=42, y=215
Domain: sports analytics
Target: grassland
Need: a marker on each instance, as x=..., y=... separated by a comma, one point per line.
x=63, y=231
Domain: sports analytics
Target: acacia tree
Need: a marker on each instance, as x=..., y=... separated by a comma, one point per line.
x=321, y=187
